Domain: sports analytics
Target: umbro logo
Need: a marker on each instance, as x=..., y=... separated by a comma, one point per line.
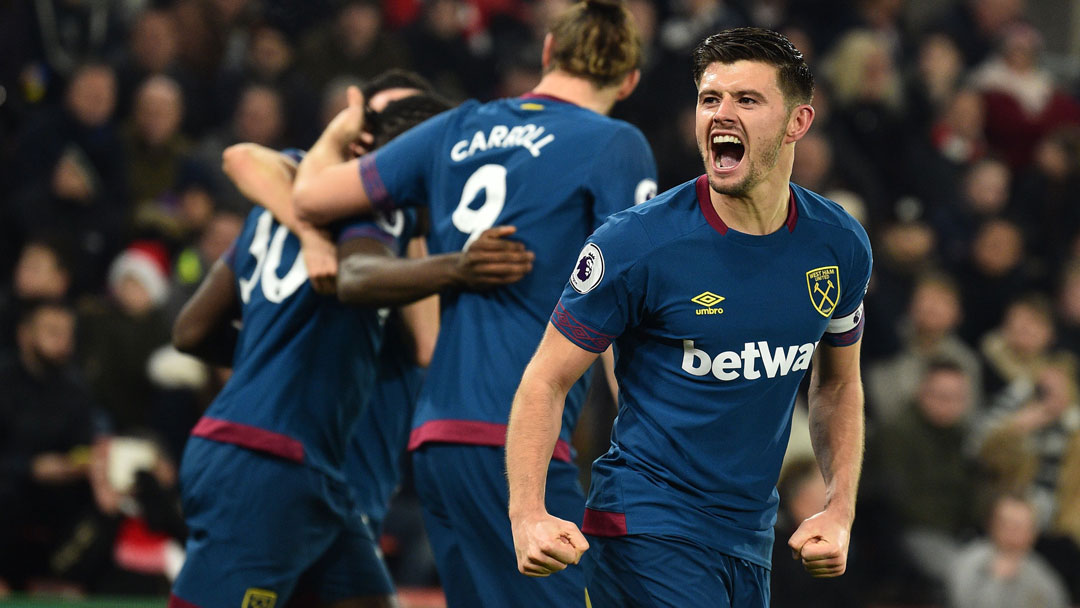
x=709, y=300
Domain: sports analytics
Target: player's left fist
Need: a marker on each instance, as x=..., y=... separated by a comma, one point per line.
x=821, y=542
x=545, y=544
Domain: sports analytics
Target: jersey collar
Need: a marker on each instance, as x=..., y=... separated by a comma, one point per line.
x=547, y=97
x=718, y=224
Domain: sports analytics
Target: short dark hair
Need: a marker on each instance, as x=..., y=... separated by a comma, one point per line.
x=758, y=44
x=396, y=78
x=403, y=114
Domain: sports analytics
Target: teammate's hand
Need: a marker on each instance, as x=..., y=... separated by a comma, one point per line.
x=492, y=260
x=320, y=257
x=347, y=128
x=546, y=544
x=821, y=542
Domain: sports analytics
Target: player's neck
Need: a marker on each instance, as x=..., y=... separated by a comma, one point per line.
x=578, y=91
x=761, y=211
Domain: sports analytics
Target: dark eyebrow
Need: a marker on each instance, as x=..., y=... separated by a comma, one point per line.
x=736, y=94
x=749, y=93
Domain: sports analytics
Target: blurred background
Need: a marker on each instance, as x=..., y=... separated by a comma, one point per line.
x=950, y=129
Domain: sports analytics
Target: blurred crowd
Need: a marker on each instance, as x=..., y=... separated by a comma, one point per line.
x=938, y=126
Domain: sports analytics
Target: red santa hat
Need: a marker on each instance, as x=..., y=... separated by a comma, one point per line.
x=148, y=263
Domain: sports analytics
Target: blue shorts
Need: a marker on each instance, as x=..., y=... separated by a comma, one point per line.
x=464, y=494
x=645, y=571
x=257, y=523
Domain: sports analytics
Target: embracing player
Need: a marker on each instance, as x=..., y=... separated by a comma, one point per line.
x=717, y=295
x=552, y=165
x=263, y=484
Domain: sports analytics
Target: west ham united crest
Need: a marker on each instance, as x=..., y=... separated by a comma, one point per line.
x=824, y=286
x=589, y=269
x=259, y=598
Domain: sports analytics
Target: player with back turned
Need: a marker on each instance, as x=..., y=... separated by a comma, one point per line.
x=264, y=484
x=553, y=166
x=717, y=294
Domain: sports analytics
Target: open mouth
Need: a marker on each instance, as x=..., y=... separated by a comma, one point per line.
x=727, y=151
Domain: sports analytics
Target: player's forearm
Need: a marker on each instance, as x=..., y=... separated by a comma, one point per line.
x=535, y=420
x=265, y=177
x=837, y=434
x=381, y=281
x=318, y=194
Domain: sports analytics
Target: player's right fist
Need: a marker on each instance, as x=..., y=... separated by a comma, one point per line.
x=546, y=544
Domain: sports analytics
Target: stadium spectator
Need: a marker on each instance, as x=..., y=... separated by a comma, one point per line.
x=867, y=99
x=1023, y=103
x=927, y=334
x=1025, y=437
x=160, y=158
x=921, y=464
x=47, y=426
x=442, y=53
x=905, y=251
x=41, y=272
x=978, y=25
x=984, y=195
x=357, y=43
x=1051, y=217
x=1003, y=571
x=70, y=172
x=935, y=78
x=995, y=273
x=1022, y=345
x=153, y=50
x=117, y=335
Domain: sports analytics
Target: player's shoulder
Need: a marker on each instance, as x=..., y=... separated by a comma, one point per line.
x=656, y=222
x=827, y=213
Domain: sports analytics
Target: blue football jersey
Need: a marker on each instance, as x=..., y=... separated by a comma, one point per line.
x=304, y=364
x=713, y=331
x=554, y=170
x=374, y=458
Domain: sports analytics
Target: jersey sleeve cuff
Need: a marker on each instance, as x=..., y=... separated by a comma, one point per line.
x=578, y=333
x=367, y=232
x=373, y=183
x=845, y=330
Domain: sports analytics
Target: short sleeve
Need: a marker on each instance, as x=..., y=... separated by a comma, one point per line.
x=605, y=293
x=625, y=176
x=846, y=326
x=392, y=228
x=398, y=174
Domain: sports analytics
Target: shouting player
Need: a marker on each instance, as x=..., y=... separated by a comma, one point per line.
x=717, y=295
x=263, y=484
x=552, y=165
